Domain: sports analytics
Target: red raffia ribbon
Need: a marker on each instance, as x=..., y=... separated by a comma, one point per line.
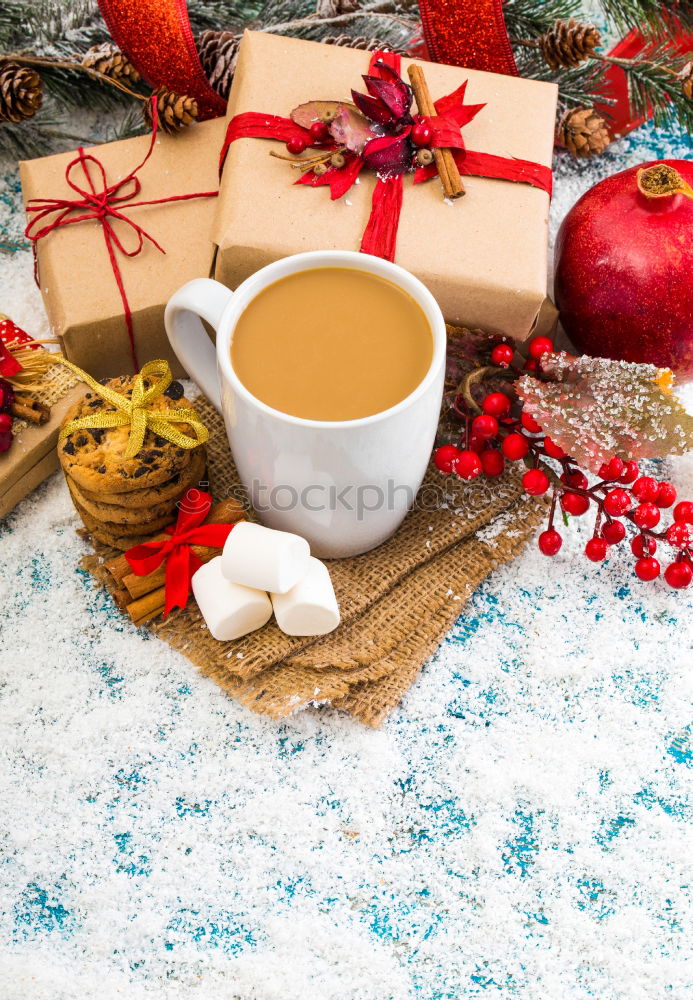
x=380, y=236
x=158, y=40
x=107, y=203
x=176, y=551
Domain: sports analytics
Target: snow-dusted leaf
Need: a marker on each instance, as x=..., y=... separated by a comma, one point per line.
x=594, y=409
x=350, y=129
x=307, y=114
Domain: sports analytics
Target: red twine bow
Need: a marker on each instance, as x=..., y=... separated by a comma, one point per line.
x=452, y=114
x=105, y=202
x=176, y=552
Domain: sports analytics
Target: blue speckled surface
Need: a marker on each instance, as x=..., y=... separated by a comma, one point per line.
x=520, y=828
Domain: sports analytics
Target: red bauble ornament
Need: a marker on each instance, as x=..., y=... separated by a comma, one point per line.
x=624, y=260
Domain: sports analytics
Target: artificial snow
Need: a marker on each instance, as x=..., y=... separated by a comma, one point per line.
x=519, y=828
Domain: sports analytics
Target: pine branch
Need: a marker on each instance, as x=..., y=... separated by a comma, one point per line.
x=657, y=18
x=576, y=87
x=130, y=125
x=232, y=15
x=654, y=87
x=527, y=18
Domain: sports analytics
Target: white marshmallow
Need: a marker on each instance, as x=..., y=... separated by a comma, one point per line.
x=260, y=557
x=310, y=607
x=229, y=609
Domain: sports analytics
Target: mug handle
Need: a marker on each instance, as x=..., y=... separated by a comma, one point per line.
x=206, y=298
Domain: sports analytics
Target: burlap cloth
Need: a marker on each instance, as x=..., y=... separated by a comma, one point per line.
x=396, y=602
x=55, y=384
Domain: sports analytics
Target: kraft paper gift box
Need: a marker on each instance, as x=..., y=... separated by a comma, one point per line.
x=483, y=256
x=78, y=285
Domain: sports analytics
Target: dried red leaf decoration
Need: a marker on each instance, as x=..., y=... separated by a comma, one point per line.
x=350, y=129
x=396, y=96
x=314, y=111
x=388, y=155
x=372, y=107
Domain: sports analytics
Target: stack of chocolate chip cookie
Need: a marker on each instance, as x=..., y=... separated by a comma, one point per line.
x=124, y=501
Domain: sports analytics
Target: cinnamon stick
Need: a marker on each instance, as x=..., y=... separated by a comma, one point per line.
x=147, y=607
x=443, y=158
x=31, y=410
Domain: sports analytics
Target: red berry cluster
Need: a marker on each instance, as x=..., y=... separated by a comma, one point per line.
x=621, y=493
x=6, y=401
x=494, y=435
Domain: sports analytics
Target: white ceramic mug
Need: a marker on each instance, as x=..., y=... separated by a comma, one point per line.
x=343, y=485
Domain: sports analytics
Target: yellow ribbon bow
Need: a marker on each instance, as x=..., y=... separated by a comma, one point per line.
x=134, y=410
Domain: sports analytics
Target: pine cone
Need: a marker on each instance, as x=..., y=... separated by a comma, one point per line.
x=583, y=132
x=568, y=43
x=218, y=51
x=21, y=92
x=333, y=8
x=175, y=110
x=358, y=42
x=686, y=78
x=109, y=60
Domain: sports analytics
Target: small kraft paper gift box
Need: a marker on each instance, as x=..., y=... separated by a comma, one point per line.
x=483, y=256
x=105, y=280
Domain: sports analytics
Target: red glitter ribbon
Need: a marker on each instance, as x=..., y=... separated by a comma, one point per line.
x=105, y=202
x=469, y=33
x=176, y=551
x=380, y=236
x=157, y=38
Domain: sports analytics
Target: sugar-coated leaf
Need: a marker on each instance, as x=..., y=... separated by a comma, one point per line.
x=594, y=409
x=312, y=111
x=351, y=129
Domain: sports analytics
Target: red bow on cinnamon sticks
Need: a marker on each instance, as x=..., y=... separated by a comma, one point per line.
x=106, y=202
x=181, y=562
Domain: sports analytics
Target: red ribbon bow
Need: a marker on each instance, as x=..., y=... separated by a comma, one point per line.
x=176, y=552
x=452, y=114
x=105, y=202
